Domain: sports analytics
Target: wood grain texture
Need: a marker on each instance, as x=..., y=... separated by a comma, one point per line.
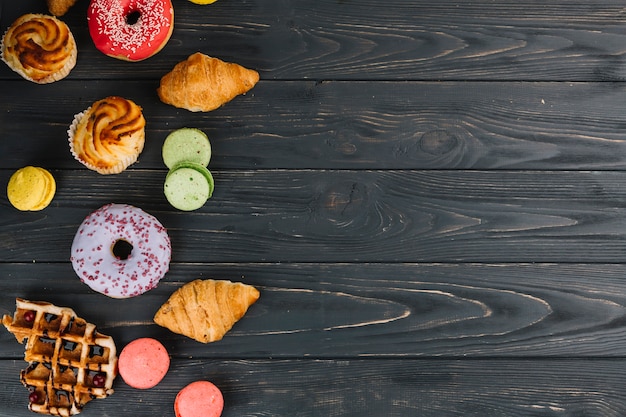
x=344, y=311
x=350, y=216
x=429, y=195
x=369, y=387
x=330, y=125
x=366, y=40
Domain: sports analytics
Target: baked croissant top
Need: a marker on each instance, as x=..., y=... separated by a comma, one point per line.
x=60, y=7
x=205, y=310
x=109, y=135
x=40, y=48
x=204, y=83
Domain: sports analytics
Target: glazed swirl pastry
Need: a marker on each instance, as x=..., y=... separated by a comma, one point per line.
x=109, y=135
x=40, y=48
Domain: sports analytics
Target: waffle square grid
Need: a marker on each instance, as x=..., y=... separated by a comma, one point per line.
x=70, y=363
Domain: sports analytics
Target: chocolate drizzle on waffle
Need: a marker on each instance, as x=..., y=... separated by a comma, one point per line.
x=70, y=363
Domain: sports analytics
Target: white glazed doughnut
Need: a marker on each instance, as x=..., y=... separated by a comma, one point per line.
x=121, y=251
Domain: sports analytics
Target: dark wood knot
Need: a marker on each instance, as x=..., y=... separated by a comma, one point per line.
x=438, y=142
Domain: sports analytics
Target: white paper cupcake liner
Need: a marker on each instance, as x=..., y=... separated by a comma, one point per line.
x=120, y=166
x=53, y=75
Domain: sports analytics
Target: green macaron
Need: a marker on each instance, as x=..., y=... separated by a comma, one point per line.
x=186, y=145
x=188, y=186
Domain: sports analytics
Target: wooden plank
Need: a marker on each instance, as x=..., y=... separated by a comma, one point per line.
x=429, y=195
x=369, y=387
x=349, y=216
x=343, y=311
x=395, y=39
x=347, y=125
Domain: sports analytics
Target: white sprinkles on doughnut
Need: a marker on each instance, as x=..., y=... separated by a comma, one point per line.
x=145, y=251
x=124, y=27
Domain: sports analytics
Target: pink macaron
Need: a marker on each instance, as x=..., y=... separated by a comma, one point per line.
x=199, y=399
x=143, y=363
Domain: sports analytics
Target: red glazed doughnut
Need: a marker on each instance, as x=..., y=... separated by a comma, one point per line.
x=131, y=30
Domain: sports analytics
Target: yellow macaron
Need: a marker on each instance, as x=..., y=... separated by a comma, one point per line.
x=31, y=188
x=203, y=1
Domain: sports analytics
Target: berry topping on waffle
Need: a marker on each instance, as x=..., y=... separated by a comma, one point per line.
x=70, y=363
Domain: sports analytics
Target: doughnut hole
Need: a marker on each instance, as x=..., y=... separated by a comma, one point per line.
x=133, y=17
x=122, y=249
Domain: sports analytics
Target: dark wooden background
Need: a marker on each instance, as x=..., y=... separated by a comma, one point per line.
x=430, y=196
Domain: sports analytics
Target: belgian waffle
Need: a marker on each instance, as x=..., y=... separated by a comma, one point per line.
x=70, y=363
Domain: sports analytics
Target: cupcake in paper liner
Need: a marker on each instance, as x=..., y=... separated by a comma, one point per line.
x=109, y=136
x=40, y=48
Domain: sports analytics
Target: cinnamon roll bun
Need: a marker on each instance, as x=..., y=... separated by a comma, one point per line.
x=40, y=48
x=108, y=136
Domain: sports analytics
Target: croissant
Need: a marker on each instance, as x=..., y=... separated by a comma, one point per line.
x=205, y=310
x=203, y=83
x=59, y=7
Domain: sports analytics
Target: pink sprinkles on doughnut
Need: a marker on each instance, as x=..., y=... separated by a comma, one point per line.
x=93, y=251
x=130, y=29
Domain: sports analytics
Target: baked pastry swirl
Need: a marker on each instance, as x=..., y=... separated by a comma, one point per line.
x=40, y=48
x=109, y=135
